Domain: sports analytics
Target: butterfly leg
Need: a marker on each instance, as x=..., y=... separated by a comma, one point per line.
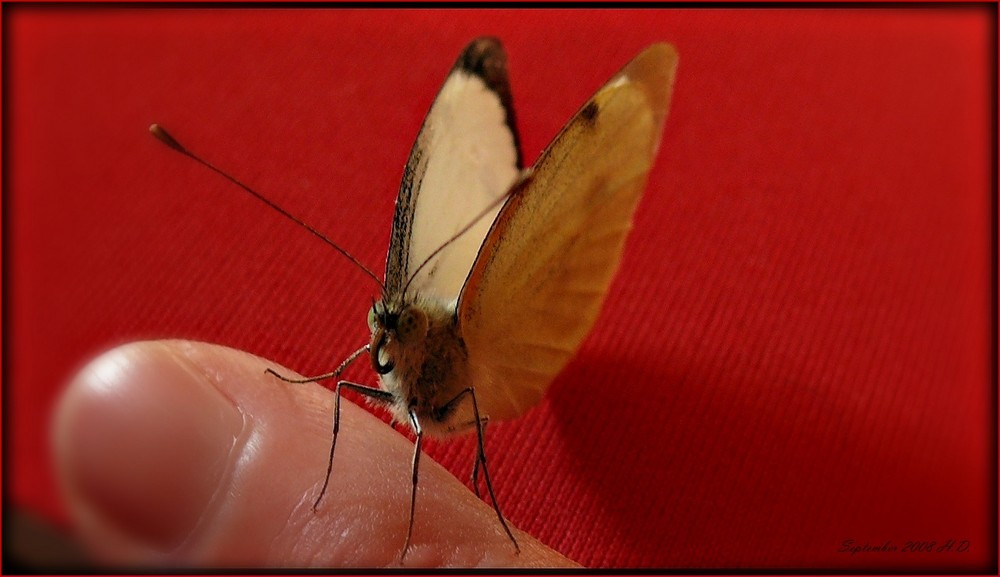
x=377, y=394
x=443, y=414
x=415, y=423
x=474, y=480
x=332, y=375
x=480, y=422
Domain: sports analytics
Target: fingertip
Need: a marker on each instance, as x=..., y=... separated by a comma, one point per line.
x=183, y=454
x=140, y=442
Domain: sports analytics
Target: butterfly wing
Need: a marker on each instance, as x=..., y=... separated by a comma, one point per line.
x=544, y=269
x=464, y=160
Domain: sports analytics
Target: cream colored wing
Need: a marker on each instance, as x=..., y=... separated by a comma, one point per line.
x=544, y=269
x=465, y=159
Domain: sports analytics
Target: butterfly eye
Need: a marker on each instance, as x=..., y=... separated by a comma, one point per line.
x=412, y=325
x=372, y=319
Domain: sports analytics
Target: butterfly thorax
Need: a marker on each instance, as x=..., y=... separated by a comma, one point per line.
x=418, y=352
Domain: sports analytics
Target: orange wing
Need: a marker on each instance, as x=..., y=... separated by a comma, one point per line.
x=544, y=269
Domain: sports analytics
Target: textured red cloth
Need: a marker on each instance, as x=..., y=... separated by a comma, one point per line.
x=796, y=352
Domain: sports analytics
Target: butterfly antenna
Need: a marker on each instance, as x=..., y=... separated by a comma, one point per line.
x=164, y=137
x=493, y=205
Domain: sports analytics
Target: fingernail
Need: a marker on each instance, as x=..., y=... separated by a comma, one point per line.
x=143, y=441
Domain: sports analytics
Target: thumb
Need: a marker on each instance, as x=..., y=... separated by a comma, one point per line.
x=183, y=454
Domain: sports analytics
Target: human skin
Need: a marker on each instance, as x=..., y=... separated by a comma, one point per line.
x=183, y=454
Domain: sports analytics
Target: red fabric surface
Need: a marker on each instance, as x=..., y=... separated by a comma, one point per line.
x=796, y=351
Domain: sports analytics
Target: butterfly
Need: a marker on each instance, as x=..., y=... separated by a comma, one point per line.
x=496, y=273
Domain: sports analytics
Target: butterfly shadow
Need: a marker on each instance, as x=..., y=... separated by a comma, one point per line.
x=653, y=453
x=683, y=462
x=622, y=441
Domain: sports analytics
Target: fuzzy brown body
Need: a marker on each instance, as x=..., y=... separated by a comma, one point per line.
x=422, y=344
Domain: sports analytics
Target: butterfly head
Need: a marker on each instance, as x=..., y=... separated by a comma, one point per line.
x=394, y=325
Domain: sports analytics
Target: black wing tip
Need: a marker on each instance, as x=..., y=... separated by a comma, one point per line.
x=486, y=59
